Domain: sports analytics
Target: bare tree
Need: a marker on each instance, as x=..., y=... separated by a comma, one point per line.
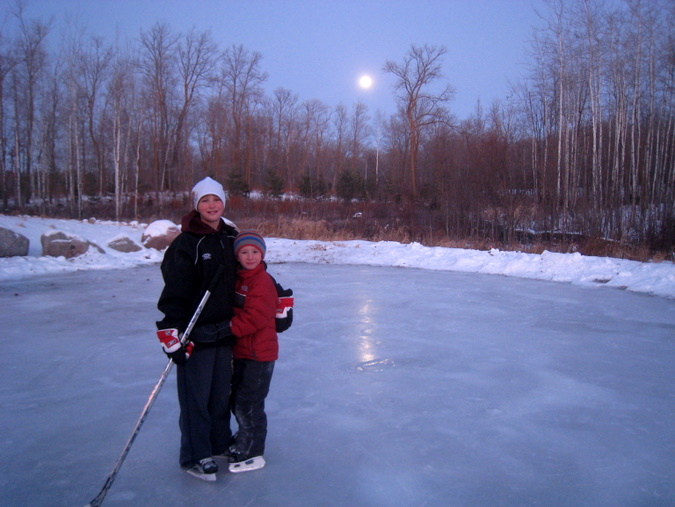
x=422, y=107
x=341, y=124
x=8, y=60
x=360, y=131
x=284, y=111
x=32, y=57
x=47, y=131
x=315, y=120
x=242, y=79
x=75, y=114
x=197, y=60
x=94, y=66
x=595, y=53
x=158, y=66
x=123, y=99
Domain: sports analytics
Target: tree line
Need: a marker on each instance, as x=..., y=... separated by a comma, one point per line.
x=584, y=145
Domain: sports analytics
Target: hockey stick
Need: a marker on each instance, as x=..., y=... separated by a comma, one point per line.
x=96, y=502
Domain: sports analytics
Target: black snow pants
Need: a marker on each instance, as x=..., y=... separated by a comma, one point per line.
x=204, y=399
x=250, y=386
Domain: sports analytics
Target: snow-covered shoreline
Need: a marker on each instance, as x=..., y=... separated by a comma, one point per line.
x=652, y=278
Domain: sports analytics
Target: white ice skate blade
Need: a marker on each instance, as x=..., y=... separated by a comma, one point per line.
x=203, y=477
x=248, y=465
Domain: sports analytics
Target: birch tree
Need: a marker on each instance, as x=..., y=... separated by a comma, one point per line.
x=32, y=56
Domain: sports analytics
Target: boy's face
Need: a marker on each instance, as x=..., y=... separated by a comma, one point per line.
x=249, y=257
x=210, y=209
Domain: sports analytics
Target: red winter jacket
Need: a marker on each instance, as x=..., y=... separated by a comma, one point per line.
x=254, y=325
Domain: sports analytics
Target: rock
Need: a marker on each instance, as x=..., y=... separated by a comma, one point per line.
x=160, y=234
x=12, y=244
x=124, y=244
x=62, y=244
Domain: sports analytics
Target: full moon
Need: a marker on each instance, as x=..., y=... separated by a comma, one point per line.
x=365, y=82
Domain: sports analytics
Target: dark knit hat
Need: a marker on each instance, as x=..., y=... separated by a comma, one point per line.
x=249, y=238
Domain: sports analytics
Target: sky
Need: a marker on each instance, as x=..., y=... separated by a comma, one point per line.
x=318, y=49
x=655, y=278
x=411, y=376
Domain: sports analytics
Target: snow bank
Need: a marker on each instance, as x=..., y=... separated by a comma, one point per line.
x=652, y=278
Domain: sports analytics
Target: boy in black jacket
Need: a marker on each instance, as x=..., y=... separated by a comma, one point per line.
x=188, y=267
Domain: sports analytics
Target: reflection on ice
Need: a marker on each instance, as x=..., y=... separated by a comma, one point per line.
x=366, y=345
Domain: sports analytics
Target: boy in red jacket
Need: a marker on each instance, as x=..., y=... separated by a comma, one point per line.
x=255, y=351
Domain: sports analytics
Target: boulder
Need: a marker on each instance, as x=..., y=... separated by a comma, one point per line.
x=124, y=244
x=160, y=234
x=12, y=244
x=61, y=244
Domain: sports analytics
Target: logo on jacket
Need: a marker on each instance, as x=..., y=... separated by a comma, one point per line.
x=206, y=256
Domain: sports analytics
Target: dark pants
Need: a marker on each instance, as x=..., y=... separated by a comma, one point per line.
x=250, y=385
x=204, y=398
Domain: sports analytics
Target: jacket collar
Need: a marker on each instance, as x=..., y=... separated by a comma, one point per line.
x=193, y=223
x=248, y=273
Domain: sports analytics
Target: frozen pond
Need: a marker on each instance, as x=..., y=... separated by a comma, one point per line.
x=394, y=387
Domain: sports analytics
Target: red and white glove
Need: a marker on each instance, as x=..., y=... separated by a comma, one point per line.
x=170, y=340
x=283, y=305
x=284, y=311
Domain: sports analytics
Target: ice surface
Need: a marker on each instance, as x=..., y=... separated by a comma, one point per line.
x=394, y=387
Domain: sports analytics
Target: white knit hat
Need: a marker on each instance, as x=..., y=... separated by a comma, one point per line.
x=206, y=187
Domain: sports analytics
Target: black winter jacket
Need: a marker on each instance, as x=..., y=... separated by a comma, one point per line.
x=188, y=267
